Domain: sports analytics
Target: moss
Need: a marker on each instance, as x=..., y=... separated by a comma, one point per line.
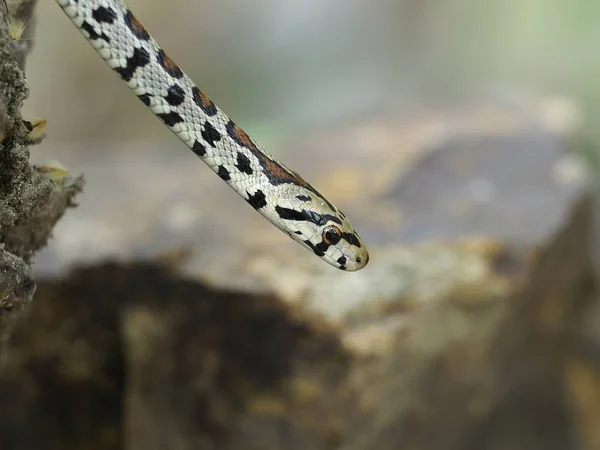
x=30, y=203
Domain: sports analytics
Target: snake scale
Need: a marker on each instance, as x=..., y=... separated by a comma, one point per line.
x=275, y=191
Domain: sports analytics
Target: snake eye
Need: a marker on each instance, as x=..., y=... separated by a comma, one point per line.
x=331, y=235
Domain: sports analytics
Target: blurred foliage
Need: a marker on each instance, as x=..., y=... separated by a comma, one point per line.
x=298, y=66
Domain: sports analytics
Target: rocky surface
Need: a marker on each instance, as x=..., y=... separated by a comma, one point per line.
x=122, y=356
x=463, y=174
x=475, y=326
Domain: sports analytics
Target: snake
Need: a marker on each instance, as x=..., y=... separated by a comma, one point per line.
x=282, y=196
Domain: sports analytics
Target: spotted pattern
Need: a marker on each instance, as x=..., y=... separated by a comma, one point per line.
x=135, y=26
x=278, y=193
x=175, y=95
x=104, y=15
x=145, y=98
x=224, y=173
x=243, y=164
x=91, y=31
x=198, y=148
x=168, y=64
x=258, y=200
x=171, y=118
x=136, y=61
x=201, y=99
x=210, y=134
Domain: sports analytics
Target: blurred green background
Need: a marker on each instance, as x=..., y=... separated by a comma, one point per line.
x=285, y=68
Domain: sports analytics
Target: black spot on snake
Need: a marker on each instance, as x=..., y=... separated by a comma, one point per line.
x=306, y=215
x=103, y=14
x=135, y=26
x=168, y=64
x=303, y=198
x=140, y=58
x=332, y=218
x=171, y=118
x=342, y=261
x=89, y=29
x=314, y=248
x=175, y=95
x=243, y=164
x=210, y=134
x=203, y=102
x=199, y=149
x=145, y=98
x=314, y=217
x=290, y=214
x=297, y=232
x=322, y=246
x=224, y=173
x=258, y=200
x=351, y=238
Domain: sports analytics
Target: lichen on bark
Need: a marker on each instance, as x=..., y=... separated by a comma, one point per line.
x=30, y=202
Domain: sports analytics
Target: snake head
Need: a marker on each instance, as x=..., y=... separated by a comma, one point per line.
x=314, y=222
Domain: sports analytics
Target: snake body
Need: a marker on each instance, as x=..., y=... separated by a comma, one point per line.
x=275, y=191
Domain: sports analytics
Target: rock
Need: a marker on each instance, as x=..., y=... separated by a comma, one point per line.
x=493, y=376
x=467, y=174
x=188, y=362
x=138, y=356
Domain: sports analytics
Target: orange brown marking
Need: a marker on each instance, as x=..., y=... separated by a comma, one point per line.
x=277, y=173
x=135, y=26
x=241, y=137
x=274, y=169
x=202, y=100
x=168, y=64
